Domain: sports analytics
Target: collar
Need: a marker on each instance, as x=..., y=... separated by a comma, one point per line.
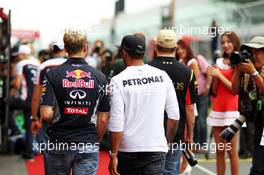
x=166, y=58
x=76, y=60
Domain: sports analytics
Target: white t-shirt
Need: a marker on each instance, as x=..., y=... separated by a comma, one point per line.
x=45, y=67
x=140, y=94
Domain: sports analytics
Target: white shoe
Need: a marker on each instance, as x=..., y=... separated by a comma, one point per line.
x=187, y=170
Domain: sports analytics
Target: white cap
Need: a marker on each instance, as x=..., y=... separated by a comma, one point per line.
x=24, y=49
x=58, y=42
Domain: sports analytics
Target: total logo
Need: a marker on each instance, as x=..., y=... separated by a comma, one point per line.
x=78, y=94
x=76, y=110
x=78, y=73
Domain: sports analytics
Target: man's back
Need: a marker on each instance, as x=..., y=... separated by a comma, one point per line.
x=140, y=95
x=79, y=92
x=181, y=78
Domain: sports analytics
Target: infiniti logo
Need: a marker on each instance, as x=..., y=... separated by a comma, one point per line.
x=80, y=94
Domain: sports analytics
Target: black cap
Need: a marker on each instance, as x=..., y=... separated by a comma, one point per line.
x=133, y=44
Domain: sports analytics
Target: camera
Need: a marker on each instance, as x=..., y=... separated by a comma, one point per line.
x=230, y=131
x=189, y=156
x=240, y=57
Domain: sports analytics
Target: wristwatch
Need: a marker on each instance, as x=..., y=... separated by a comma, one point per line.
x=255, y=73
x=112, y=155
x=33, y=118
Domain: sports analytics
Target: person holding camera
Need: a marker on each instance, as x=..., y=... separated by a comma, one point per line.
x=225, y=107
x=251, y=62
x=109, y=68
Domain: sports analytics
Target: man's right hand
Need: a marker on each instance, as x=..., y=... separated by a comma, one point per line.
x=36, y=126
x=113, y=166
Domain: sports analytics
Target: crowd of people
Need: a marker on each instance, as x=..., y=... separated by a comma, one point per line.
x=143, y=103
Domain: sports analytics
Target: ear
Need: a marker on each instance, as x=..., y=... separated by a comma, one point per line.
x=125, y=57
x=155, y=47
x=85, y=48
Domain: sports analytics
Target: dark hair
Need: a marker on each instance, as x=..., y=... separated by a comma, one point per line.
x=107, y=51
x=56, y=49
x=261, y=49
x=234, y=39
x=133, y=55
x=189, y=52
x=166, y=50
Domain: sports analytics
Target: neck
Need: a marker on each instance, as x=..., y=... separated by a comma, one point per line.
x=166, y=54
x=77, y=55
x=134, y=62
x=59, y=54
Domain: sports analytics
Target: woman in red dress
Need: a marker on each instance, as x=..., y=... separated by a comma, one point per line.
x=225, y=107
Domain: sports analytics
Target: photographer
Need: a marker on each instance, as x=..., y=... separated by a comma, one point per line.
x=109, y=68
x=94, y=59
x=253, y=66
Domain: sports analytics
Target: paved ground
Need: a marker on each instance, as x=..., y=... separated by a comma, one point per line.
x=14, y=165
x=209, y=167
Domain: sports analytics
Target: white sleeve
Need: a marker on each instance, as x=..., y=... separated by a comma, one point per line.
x=37, y=79
x=190, y=62
x=172, y=106
x=19, y=68
x=116, y=121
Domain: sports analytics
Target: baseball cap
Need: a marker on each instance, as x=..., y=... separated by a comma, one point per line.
x=23, y=49
x=166, y=38
x=134, y=44
x=257, y=42
x=58, y=42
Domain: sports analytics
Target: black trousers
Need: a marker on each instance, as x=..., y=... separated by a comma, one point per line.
x=141, y=163
x=258, y=160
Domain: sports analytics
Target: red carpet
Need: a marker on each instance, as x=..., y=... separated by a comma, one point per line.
x=37, y=166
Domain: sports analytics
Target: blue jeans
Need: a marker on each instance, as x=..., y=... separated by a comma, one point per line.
x=42, y=138
x=172, y=164
x=62, y=162
x=200, y=128
x=141, y=163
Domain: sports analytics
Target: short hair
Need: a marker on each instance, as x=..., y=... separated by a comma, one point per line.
x=74, y=41
x=134, y=55
x=166, y=50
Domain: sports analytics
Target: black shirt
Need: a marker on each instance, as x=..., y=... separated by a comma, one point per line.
x=183, y=79
x=76, y=91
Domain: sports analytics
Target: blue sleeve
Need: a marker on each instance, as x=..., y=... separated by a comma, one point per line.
x=104, y=103
x=47, y=98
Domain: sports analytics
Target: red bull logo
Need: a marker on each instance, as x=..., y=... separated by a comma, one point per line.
x=78, y=74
